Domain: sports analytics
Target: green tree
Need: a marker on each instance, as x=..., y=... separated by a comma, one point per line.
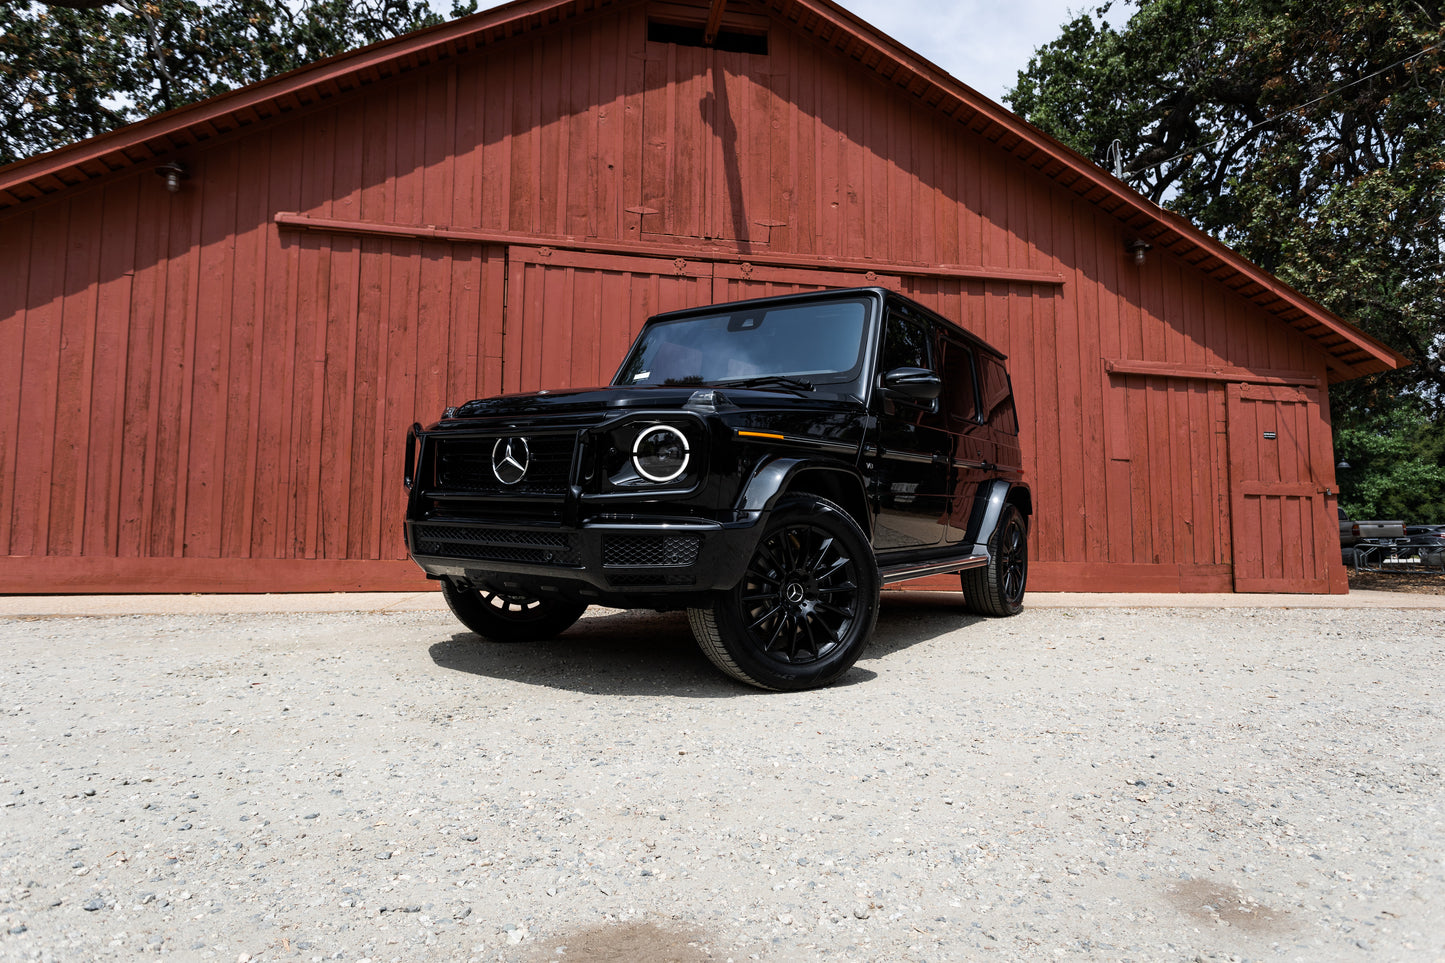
x=1397, y=468
x=1309, y=135
x=72, y=70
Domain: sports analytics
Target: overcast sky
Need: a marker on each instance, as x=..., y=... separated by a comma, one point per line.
x=984, y=44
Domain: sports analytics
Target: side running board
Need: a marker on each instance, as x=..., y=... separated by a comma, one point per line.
x=901, y=573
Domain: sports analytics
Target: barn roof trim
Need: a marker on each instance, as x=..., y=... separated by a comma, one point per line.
x=1349, y=351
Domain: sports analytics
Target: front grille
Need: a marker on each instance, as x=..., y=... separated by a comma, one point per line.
x=497, y=545
x=650, y=551
x=465, y=465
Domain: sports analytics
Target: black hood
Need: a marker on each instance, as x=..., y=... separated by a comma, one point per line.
x=604, y=400
x=575, y=400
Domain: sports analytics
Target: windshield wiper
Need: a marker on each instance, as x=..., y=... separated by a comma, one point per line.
x=781, y=381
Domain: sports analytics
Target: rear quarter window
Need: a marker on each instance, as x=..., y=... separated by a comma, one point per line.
x=998, y=400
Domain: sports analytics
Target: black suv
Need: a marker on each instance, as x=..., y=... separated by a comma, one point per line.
x=765, y=464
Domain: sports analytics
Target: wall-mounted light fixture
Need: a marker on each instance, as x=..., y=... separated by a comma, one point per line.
x=1137, y=246
x=174, y=172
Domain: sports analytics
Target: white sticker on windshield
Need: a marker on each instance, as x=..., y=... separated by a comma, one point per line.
x=643, y=376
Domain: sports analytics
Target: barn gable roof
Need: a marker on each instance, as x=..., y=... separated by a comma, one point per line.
x=1348, y=351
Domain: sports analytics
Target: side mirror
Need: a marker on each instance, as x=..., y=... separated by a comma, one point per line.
x=915, y=384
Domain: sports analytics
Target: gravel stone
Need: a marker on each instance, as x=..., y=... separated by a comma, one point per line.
x=1220, y=784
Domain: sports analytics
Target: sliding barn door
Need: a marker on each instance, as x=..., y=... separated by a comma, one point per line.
x=1278, y=453
x=572, y=315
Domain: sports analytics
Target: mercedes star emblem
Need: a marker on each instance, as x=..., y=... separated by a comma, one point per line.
x=510, y=460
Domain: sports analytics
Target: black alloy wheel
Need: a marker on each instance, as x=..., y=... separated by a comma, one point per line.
x=806, y=606
x=510, y=618
x=998, y=588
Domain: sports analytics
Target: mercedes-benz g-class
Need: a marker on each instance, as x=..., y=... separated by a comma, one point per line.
x=766, y=465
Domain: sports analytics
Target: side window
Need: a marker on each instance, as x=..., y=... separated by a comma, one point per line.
x=959, y=396
x=905, y=345
x=998, y=402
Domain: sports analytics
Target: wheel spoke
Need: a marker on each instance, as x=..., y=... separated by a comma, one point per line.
x=1013, y=581
x=817, y=559
x=808, y=623
x=765, y=552
x=834, y=634
x=777, y=631
x=842, y=613
x=781, y=551
x=769, y=613
x=766, y=576
x=842, y=563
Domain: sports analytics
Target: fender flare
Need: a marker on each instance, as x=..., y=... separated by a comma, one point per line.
x=998, y=494
x=776, y=477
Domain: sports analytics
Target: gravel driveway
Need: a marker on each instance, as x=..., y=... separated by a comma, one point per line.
x=1139, y=784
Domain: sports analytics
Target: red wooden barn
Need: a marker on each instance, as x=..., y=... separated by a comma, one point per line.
x=208, y=389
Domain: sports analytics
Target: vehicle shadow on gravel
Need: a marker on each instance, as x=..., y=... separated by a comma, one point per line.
x=652, y=653
x=909, y=618
x=620, y=653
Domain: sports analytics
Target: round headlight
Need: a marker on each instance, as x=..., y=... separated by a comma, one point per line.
x=660, y=453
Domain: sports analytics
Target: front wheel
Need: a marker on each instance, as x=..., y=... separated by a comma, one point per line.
x=998, y=587
x=510, y=618
x=805, y=607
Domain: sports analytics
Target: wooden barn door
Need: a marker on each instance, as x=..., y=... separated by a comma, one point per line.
x=572, y=315
x=737, y=282
x=1282, y=530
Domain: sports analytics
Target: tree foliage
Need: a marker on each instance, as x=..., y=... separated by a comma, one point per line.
x=1309, y=135
x=1396, y=468
x=68, y=72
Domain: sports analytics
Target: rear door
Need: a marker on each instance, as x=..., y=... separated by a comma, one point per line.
x=969, y=445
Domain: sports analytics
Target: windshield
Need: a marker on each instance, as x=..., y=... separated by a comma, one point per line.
x=818, y=343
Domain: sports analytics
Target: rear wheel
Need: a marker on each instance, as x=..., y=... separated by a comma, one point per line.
x=806, y=605
x=510, y=618
x=998, y=588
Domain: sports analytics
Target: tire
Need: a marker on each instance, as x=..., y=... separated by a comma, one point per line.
x=998, y=588
x=806, y=605
x=510, y=618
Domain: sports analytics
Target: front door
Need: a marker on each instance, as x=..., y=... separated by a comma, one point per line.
x=1282, y=523
x=910, y=453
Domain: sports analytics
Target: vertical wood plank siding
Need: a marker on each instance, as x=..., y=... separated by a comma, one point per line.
x=194, y=398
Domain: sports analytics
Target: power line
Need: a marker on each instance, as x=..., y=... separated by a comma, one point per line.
x=1329, y=93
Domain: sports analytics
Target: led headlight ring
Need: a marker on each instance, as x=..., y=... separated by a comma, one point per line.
x=669, y=470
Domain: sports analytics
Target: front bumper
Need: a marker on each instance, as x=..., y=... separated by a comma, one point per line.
x=607, y=557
